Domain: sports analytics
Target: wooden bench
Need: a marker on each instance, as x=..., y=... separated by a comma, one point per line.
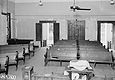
x=98, y=58
x=63, y=53
x=60, y=59
x=68, y=46
x=63, y=49
x=13, y=59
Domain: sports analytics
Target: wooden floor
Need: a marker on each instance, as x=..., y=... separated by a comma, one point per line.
x=38, y=62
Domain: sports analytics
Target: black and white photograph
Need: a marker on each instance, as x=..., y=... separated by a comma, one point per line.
x=57, y=39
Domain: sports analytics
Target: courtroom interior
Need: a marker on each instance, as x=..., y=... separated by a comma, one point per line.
x=57, y=39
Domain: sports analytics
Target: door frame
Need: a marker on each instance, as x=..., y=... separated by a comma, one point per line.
x=78, y=35
x=47, y=21
x=99, y=28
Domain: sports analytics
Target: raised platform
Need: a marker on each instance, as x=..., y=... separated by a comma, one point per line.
x=19, y=41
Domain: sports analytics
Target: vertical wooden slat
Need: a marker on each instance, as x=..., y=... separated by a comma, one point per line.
x=39, y=32
x=56, y=32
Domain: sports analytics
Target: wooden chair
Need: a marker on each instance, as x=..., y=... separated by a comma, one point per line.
x=4, y=64
x=36, y=44
x=21, y=55
x=26, y=52
x=13, y=59
x=31, y=48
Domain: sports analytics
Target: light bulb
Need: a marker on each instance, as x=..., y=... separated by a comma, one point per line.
x=112, y=2
x=40, y=3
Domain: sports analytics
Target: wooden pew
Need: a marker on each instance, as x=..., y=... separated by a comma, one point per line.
x=95, y=53
x=64, y=48
x=13, y=59
x=18, y=48
x=98, y=57
x=57, y=58
x=65, y=42
x=62, y=51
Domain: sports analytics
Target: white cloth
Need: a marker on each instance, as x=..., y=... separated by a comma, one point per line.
x=80, y=64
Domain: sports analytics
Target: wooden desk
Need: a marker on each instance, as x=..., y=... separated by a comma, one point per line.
x=88, y=73
x=50, y=77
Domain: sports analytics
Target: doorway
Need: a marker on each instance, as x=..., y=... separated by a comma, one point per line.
x=105, y=33
x=47, y=32
x=76, y=30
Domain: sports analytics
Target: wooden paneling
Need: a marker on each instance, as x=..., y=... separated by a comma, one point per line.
x=38, y=32
x=56, y=32
x=76, y=29
x=99, y=31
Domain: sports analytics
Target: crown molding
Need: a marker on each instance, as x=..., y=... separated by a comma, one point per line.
x=30, y=1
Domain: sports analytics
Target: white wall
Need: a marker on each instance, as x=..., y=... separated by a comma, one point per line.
x=3, y=23
x=25, y=28
x=26, y=25
x=91, y=29
x=27, y=14
x=63, y=29
x=3, y=30
x=6, y=7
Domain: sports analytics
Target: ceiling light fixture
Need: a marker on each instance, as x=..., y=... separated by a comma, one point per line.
x=112, y=2
x=40, y=3
x=74, y=7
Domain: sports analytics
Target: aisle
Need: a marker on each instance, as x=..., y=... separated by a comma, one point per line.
x=38, y=62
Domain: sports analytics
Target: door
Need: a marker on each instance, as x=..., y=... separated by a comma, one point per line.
x=56, y=32
x=71, y=30
x=105, y=33
x=80, y=30
x=76, y=30
x=39, y=32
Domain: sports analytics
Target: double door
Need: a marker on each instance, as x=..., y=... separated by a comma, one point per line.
x=76, y=30
x=48, y=32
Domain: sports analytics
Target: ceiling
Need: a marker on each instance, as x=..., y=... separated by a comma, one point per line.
x=28, y=1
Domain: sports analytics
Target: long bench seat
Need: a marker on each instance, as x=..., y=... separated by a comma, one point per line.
x=63, y=48
x=65, y=42
x=57, y=58
x=69, y=53
x=93, y=51
x=7, y=47
x=91, y=46
x=68, y=46
x=13, y=59
x=98, y=57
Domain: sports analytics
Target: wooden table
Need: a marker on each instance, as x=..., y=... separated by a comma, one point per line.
x=88, y=73
x=50, y=76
